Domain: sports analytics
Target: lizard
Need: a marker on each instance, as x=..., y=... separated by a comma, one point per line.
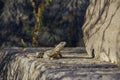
x=50, y=54
x=54, y=53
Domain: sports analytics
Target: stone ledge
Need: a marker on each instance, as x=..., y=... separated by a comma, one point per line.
x=14, y=65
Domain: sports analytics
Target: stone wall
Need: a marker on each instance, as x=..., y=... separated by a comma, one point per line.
x=102, y=30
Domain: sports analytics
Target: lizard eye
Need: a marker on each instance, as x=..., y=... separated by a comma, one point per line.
x=63, y=42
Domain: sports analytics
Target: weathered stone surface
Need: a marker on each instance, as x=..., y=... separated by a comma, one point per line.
x=14, y=65
x=102, y=30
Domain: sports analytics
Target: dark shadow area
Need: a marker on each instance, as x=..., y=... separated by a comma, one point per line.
x=63, y=57
x=1, y=6
x=61, y=21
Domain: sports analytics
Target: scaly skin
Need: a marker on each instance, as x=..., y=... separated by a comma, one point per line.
x=50, y=54
x=54, y=53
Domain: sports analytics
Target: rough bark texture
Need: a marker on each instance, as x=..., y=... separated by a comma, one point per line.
x=15, y=65
x=102, y=30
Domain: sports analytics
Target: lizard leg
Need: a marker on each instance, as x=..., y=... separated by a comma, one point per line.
x=60, y=55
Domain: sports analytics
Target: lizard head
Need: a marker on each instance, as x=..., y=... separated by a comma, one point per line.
x=60, y=46
x=63, y=43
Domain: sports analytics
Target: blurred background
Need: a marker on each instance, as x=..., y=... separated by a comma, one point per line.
x=41, y=23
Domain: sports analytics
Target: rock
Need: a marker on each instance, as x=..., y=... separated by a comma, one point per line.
x=14, y=65
x=102, y=30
